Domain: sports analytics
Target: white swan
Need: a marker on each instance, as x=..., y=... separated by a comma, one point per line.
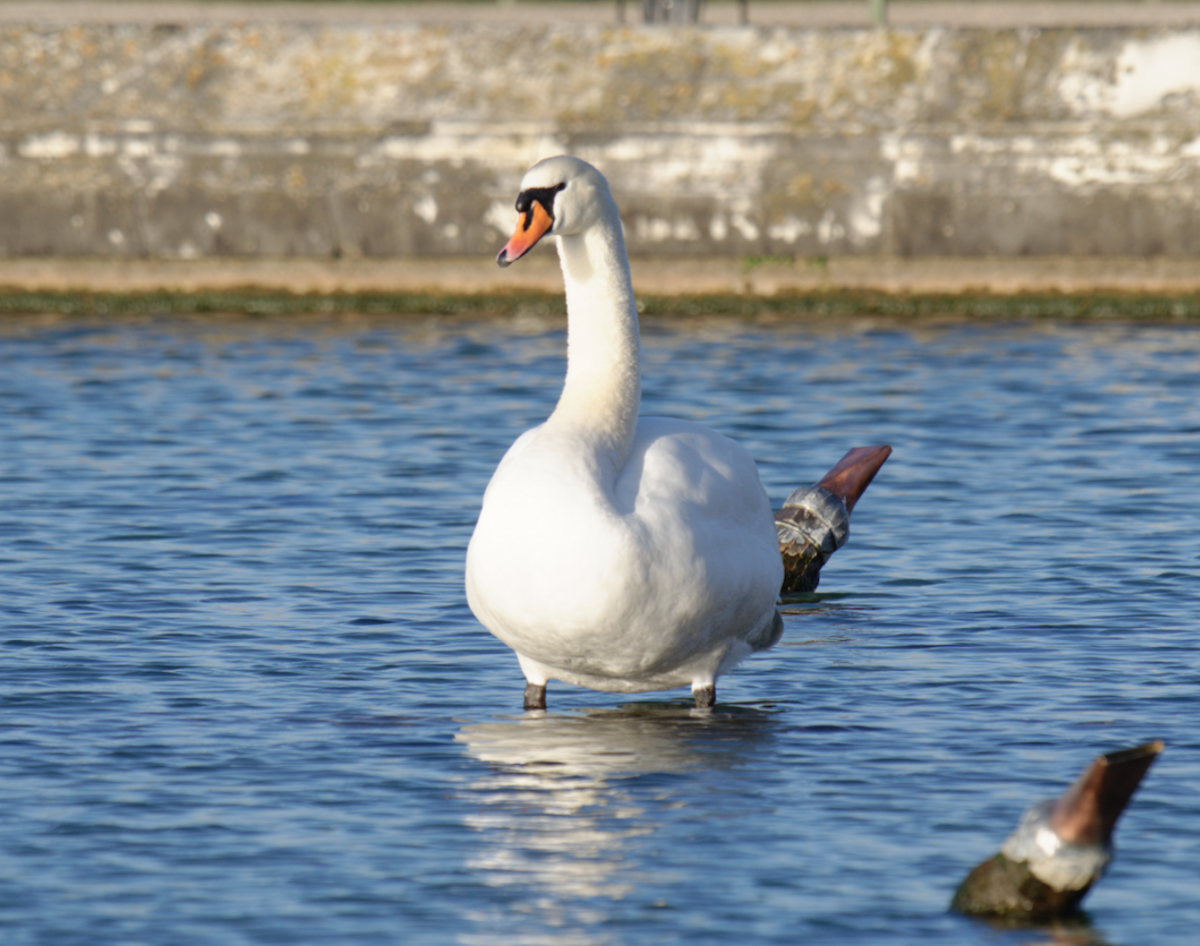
x=613, y=551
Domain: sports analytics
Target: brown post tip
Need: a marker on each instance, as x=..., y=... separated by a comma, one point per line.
x=853, y=473
x=1087, y=812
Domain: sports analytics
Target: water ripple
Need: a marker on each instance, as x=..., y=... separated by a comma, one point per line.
x=243, y=699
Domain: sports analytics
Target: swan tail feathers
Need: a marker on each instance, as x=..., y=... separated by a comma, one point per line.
x=769, y=636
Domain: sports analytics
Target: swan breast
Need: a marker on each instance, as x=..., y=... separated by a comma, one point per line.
x=630, y=572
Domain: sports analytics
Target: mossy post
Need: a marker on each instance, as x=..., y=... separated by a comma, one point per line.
x=1060, y=848
x=814, y=521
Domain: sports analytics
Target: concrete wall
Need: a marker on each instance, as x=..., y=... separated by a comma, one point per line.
x=287, y=139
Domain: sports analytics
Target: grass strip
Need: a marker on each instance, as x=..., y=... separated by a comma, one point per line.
x=823, y=305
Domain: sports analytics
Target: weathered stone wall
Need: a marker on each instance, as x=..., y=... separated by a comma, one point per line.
x=391, y=140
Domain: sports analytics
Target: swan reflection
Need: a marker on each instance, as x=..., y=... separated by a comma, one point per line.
x=568, y=802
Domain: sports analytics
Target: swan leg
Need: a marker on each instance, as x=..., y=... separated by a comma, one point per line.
x=705, y=696
x=535, y=696
x=535, y=682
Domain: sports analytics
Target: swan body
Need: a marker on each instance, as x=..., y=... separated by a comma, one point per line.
x=612, y=551
x=661, y=574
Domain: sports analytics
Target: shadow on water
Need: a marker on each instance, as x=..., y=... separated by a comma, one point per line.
x=569, y=804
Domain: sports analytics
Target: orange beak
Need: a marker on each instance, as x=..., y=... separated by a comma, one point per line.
x=531, y=227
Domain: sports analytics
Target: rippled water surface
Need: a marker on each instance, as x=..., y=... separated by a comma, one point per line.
x=242, y=699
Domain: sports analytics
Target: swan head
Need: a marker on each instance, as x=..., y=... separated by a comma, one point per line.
x=561, y=195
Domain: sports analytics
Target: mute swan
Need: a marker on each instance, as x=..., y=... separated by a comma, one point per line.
x=618, y=552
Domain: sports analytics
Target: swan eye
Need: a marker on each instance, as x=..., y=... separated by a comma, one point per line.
x=541, y=195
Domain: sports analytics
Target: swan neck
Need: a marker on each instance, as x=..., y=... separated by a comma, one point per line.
x=602, y=392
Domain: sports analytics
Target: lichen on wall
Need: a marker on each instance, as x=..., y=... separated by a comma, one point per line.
x=316, y=140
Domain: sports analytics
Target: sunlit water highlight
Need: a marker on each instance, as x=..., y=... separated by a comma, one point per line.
x=242, y=699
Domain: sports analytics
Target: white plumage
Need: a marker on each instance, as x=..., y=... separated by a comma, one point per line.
x=613, y=551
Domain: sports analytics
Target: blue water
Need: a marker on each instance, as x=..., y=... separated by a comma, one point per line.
x=243, y=701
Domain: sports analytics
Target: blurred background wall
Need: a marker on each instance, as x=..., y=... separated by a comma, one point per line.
x=164, y=135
